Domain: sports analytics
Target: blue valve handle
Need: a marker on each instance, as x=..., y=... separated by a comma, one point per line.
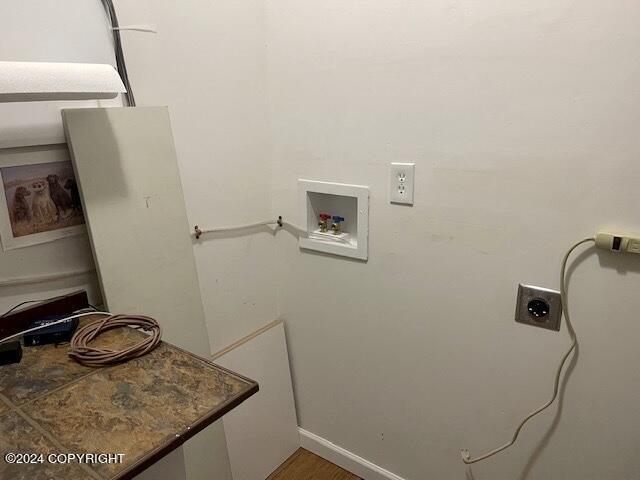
x=337, y=219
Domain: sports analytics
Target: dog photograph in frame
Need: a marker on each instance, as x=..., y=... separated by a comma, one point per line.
x=39, y=202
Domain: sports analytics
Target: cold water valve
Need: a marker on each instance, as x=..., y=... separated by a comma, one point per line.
x=335, y=226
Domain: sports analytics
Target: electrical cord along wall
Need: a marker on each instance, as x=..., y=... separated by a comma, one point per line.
x=466, y=457
x=117, y=45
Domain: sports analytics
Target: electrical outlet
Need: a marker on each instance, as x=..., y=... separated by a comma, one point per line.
x=401, y=183
x=539, y=307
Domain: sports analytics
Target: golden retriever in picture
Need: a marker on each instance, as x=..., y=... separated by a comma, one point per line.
x=42, y=207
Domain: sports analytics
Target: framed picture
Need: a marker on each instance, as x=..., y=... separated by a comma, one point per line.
x=39, y=201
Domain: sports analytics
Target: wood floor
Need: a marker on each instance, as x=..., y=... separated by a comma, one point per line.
x=304, y=465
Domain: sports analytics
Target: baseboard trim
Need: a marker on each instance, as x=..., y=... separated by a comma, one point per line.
x=344, y=458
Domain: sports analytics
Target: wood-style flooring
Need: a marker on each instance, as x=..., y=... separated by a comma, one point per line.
x=304, y=465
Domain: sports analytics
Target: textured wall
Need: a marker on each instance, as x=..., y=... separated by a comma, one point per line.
x=521, y=118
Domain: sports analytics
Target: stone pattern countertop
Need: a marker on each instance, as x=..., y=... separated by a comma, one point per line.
x=143, y=409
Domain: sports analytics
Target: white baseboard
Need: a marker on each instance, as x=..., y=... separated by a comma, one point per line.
x=344, y=458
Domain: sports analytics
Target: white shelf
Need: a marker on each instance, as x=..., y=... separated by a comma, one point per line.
x=348, y=201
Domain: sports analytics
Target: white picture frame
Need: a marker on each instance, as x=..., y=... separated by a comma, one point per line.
x=28, y=167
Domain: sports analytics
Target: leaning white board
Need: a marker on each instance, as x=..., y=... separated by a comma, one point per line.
x=170, y=467
x=128, y=176
x=264, y=432
x=127, y=171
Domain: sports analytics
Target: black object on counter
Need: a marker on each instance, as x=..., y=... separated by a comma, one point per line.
x=10, y=352
x=20, y=320
x=60, y=333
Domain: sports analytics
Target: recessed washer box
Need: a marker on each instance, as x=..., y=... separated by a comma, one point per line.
x=350, y=202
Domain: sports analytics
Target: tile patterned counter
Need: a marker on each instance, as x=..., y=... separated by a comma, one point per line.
x=144, y=408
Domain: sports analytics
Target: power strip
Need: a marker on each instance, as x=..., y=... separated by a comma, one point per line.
x=618, y=242
x=20, y=320
x=58, y=333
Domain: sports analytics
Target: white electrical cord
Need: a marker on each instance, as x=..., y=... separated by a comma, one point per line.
x=237, y=227
x=466, y=458
x=280, y=222
x=55, y=322
x=136, y=28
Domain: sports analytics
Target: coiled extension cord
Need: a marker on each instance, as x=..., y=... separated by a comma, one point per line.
x=100, y=357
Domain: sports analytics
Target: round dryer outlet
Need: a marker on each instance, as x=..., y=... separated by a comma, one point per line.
x=538, y=306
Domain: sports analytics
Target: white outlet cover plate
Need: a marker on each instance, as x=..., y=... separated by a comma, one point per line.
x=401, y=181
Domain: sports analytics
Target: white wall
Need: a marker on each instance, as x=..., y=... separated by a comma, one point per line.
x=521, y=117
x=207, y=63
